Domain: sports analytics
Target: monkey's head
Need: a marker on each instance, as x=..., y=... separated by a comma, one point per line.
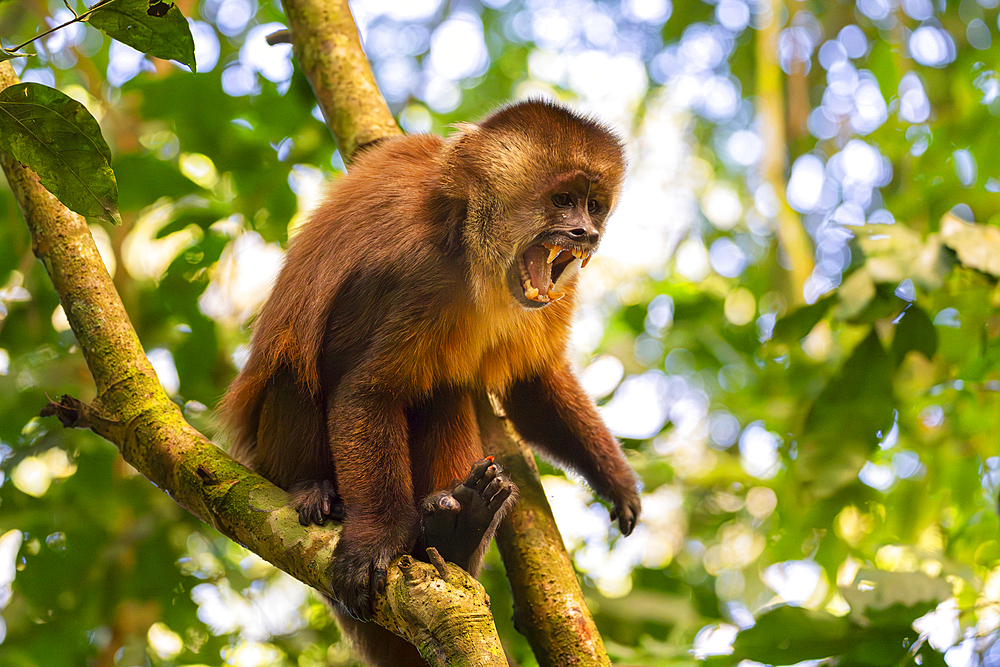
x=538, y=182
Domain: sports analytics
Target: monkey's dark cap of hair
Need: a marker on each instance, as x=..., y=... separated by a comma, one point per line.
x=514, y=147
x=544, y=116
x=538, y=109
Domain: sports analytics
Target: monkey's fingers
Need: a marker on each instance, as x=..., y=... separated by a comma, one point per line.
x=627, y=514
x=477, y=471
x=492, y=489
x=500, y=498
x=357, y=575
x=626, y=524
x=488, y=476
x=316, y=502
x=311, y=515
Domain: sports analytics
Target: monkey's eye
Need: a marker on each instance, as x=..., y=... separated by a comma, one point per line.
x=562, y=200
x=593, y=206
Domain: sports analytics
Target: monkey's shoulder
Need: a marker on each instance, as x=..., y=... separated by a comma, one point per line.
x=399, y=174
x=388, y=204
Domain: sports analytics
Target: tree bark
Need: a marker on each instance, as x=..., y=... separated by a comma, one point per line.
x=549, y=608
x=328, y=49
x=793, y=241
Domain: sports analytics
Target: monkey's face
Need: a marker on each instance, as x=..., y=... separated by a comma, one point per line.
x=567, y=225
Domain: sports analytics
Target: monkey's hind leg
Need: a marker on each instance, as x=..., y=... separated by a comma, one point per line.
x=316, y=502
x=460, y=522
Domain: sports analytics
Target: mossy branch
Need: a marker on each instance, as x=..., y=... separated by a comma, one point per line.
x=326, y=44
x=451, y=624
x=549, y=608
x=793, y=240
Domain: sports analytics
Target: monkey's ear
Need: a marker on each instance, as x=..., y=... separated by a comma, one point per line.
x=460, y=172
x=464, y=128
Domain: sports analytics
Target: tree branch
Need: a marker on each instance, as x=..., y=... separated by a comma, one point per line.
x=792, y=238
x=559, y=628
x=450, y=624
x=328, y=49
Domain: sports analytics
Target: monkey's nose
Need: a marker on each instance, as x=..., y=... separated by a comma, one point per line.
x=588, y=233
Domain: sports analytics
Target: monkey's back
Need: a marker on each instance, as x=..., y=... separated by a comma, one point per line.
x=343, y=234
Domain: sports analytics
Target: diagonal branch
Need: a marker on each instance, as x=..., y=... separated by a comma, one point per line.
x=559, y=627
x=327, y=47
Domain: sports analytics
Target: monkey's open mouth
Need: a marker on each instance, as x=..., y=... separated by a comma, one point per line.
x=541, y=266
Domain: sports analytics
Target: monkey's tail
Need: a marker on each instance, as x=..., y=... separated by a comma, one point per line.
x=237, y=416
x=277, y=428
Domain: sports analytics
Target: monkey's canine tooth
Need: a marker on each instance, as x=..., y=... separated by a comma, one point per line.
x=554, y=251
x=530, y=291
x=586, y=260
x=555, y=296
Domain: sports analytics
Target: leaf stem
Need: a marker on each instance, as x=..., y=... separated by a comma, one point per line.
x=76, y=19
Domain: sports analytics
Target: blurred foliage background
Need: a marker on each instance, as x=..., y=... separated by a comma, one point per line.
x=792, y=324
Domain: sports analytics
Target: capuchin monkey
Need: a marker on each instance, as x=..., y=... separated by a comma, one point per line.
x=437, y=270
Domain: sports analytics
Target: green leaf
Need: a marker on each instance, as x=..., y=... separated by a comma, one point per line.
x=847, y=419
x=893, y=253
x=58, y=139
x=787, y=635
x=150, y=26
x=796, y=325
x=914, y=331
x=889, y=599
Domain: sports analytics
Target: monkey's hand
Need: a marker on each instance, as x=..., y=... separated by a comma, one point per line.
x=358, y=571
x=626, y=509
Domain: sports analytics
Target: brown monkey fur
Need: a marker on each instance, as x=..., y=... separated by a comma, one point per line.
x=402, y=298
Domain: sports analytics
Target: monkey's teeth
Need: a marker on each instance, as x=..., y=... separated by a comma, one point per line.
x=583, y=256
x=530, y=291
x=554, y=251
x=555, y=296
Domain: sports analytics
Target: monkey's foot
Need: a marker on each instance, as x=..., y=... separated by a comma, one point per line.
x=460, y=522
x=358, y=574
x=316, y=502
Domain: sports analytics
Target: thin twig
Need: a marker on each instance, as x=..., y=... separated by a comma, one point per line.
x=77, y=18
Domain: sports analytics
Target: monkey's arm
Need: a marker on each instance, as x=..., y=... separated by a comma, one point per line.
x=552, y=412
x=368, y=438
